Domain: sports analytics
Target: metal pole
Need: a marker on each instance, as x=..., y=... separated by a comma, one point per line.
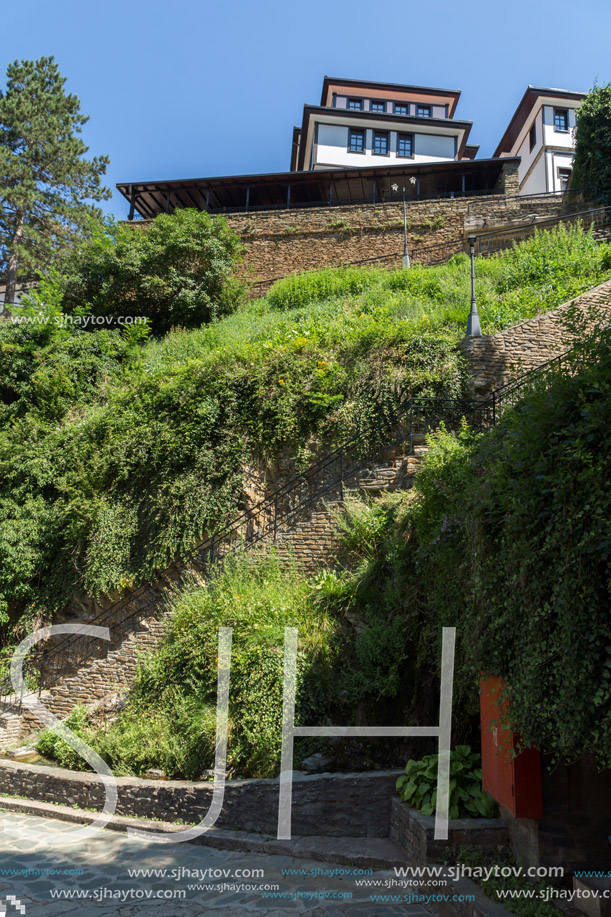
x=341, y=474
x=405, y=251
x=473, y=324
x=411, y=426
x=275, y=516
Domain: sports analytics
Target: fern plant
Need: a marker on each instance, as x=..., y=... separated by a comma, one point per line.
x=418, y=787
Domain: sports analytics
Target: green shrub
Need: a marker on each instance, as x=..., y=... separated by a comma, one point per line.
x=51, y=746
x=418, y=787
x=175, y=271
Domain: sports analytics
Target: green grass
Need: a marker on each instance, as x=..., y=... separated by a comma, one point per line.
x=170, y=719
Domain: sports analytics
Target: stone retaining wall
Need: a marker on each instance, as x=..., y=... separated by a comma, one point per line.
x=99, y=677
x=332, y=805
x=497, y=359
x=282, y=242
x=416, y=833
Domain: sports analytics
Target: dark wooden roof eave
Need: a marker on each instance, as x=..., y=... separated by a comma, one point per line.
x=402, y=87
x=150, y=197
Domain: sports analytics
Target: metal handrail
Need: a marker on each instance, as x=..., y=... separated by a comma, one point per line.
x=454, y=246
x=332, y=473
x=524, y=198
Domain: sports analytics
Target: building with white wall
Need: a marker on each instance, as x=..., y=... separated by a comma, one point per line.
x=361, y=124
x=541, y=133
x=372, y=142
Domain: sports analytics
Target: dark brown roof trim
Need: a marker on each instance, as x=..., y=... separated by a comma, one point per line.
x=295, y=147
x=372, y=84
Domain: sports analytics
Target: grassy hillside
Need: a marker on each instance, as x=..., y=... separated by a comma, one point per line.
x=506, y=536
x=115, y=456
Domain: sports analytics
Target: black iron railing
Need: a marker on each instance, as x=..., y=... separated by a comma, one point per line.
x=578, y=196
x=327, y=478
x=488, y=243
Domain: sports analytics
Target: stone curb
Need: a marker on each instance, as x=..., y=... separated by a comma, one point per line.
x=366, y=852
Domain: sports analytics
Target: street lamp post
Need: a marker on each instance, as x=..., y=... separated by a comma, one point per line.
x=473, y=325
x=406, y=262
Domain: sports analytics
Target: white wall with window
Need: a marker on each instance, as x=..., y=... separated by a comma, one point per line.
x=354, y=147
x=545, y=143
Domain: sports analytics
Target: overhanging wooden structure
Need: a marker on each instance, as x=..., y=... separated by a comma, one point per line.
x=288, y=190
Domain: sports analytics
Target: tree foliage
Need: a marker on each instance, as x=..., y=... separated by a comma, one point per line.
x=45, y=181
x=175, y=271
x=508, y=539
x=592, y=164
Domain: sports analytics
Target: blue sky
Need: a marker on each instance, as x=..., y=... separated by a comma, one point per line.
x=186, y=88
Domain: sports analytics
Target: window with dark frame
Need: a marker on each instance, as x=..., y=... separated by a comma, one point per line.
x=355, y=104
x=356, y=141
x=405, y=144
x=378, y=107
x=533, y=136
x=423, y=111
x=564, y=177
x=380, y=143
x=401, y=109
x=561, y=119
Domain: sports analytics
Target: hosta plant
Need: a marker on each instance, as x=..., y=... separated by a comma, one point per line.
x=418, y=787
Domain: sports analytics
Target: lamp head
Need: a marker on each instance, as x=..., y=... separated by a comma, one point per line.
x=472, y=240
x=395, y=188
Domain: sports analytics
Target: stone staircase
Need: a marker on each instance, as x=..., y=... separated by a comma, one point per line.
x=309, y=539
x=99, y=678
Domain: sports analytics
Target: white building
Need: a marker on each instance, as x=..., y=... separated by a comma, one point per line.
x=541, y=133
x=363, y=124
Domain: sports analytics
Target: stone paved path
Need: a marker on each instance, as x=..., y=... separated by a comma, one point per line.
x=106, y=858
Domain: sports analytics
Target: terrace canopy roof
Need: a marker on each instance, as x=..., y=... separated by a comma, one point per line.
x=282, y=190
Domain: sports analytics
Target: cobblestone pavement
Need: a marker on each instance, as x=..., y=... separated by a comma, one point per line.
x=106, y=858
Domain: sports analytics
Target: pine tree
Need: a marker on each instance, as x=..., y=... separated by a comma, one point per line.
x=46, y=185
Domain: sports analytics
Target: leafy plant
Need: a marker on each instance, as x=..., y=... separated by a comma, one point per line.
x=418, y=788
x=592, y=163
x=175, y=271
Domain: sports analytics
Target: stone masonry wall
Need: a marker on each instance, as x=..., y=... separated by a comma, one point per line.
x=312, y=541
x=416, y=833
x=497, y=359
x=100, y=677
x=282, y=242
x=332, y=805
